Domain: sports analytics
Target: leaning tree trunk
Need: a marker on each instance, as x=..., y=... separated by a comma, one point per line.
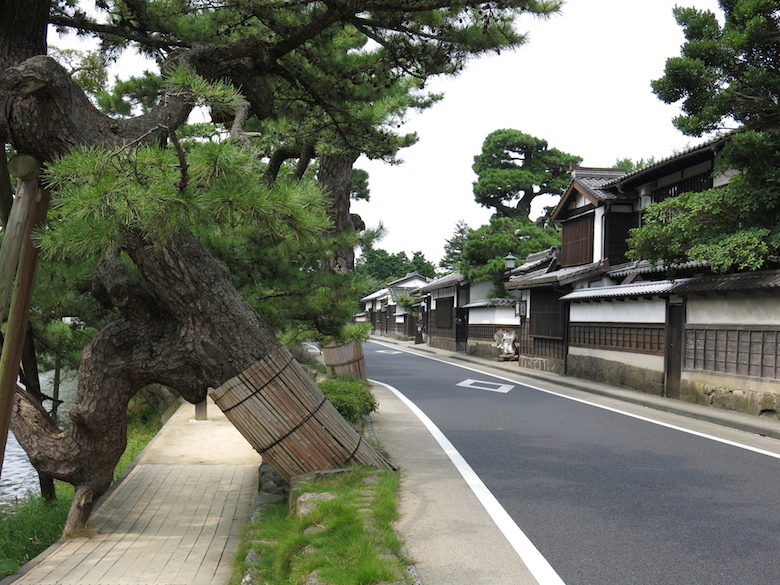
x=189, y=330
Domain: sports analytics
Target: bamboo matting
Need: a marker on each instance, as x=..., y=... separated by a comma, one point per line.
x=345, y=360
x=286, y=418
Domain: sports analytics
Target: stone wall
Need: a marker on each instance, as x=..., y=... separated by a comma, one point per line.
x=442, y=343
x=487, y=350
x=616, y=374
x=757, y=399
x=542, y=364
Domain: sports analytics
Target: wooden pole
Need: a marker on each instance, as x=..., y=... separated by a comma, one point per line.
x=13, y=240
x=20, y=306
x=6, y=197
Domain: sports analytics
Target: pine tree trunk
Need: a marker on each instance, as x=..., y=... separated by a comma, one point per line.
x=189, y=330
x=335, y=176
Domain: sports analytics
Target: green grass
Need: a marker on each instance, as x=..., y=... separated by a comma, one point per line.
x=338, y=540
x=32, y=524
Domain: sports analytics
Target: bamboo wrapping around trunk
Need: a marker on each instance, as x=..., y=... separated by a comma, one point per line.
x=345, y=360
x=286, y=418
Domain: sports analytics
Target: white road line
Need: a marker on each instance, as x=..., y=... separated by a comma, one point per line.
x=601, y=406
x=533, y=559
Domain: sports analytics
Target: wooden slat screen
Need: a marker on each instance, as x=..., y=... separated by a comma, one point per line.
x=577, y=241
x=547, y=317
x=631, y=337
x=693, y=184
x=751, y=352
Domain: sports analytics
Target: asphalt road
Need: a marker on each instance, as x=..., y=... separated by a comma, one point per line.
x=608, y=498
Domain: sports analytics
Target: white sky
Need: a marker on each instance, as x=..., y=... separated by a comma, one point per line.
x=582, y=83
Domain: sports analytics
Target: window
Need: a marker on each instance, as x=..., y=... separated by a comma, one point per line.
x=693, y=184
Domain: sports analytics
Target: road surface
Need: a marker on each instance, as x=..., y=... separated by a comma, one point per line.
x=609, y=494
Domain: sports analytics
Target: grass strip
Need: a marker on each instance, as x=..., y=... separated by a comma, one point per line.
x=346, y=540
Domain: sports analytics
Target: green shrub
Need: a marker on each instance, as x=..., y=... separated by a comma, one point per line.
x=352, y=397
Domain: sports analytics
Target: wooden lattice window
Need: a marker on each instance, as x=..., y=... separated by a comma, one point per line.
x=631, y=337
x=694, y=184
x=750, y=352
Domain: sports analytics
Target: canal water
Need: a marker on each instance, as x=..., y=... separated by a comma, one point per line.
x=19, y=476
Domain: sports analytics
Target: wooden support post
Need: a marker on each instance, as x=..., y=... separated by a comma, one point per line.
x=201, y=409
x=6, y=198
x=13, y=239
x=20, y=305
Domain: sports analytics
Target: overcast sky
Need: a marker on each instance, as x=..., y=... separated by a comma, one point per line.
x=582, y=82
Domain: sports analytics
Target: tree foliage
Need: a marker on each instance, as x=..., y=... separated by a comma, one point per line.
x=630, y=165
x=383, y=267
x=453, y=248
x=514, y=168
x=726, y=74
x=487, y=246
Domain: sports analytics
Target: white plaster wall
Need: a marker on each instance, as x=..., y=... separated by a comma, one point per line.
x=641, y=311
x=480, y=290
x=493, y=316
x=648, y=362
x=763, y=309
x=598, y=234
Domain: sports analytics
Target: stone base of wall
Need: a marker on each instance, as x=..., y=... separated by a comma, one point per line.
x=729, y=396
x=485, y=350
x=442, y=343
x=542, y=364
x=616, y=374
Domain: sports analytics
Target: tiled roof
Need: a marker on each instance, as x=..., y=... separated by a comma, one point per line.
x=535, y=260
x=765, y=280
x=640, y=289
x=635, y=176
x=449, y=280
x=410, y=276
x=484, y=303
x=647, y=267
x=375, y=295
x=561, y=276
x=594, y=187
x=746, y=281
